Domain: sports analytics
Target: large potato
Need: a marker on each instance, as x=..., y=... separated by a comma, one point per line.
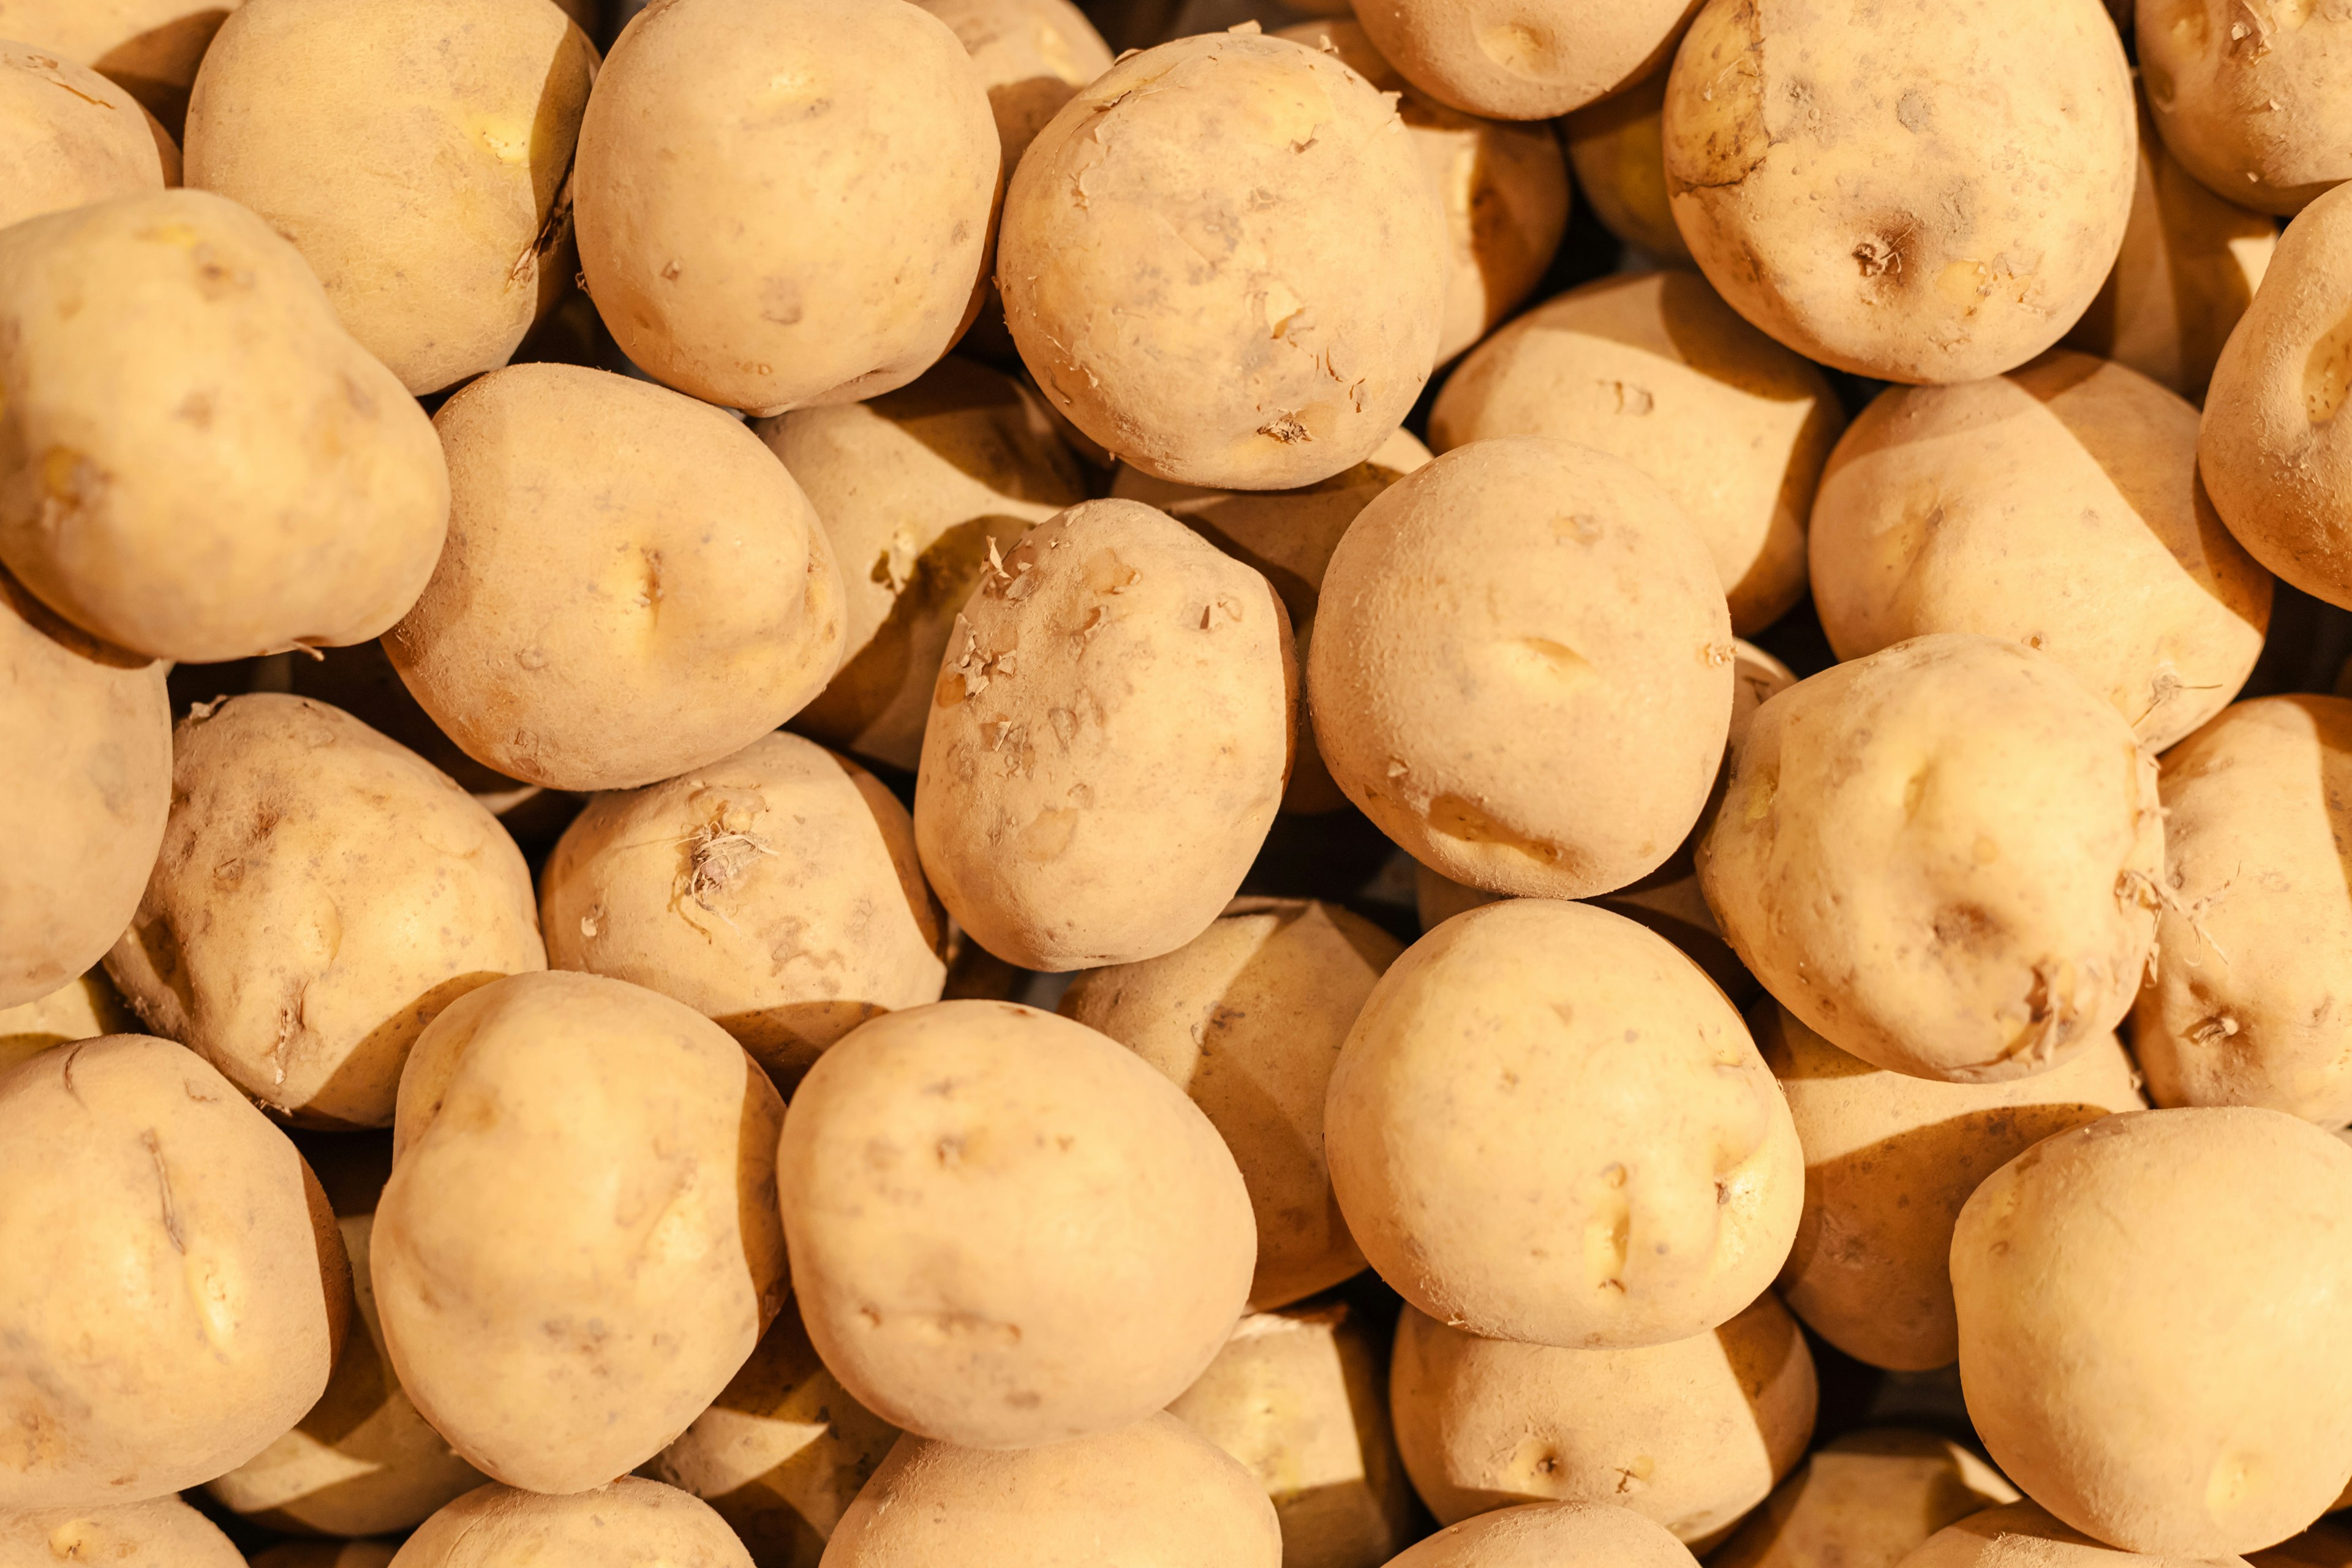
x=176, y=1293
x=163, y=1532
x=2024, y=1535
x=1005, y=1229
x=633, y=585
x=1523, y=59
x=628, y=1523
x=2256, y=101
x=1279, y=352
x=1551, y=1535
x=202, y=464
x=578, y=1247
x=1930, y=192
x=1943, y=857
x=2058, y=507
x=1865, y=1500
x=70, y=136
x=1109, y=741
x=83, y=1008
x=1617, y=150
x=152, y=48
x=1033, y=56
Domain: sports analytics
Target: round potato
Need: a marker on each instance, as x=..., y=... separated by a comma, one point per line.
x=626, y=1523
x=1277, y=356
x=2257, y=104
x=1551, y=1535
x=633, y=585
x=2024, y=1535
x=209, y=466
x=1926, y=193
x=1109, y=741
x=833, y=240
x=1617, y=153
x=163, y=1532
x=151, y=48
x=70, y=137
x=1033, y=56
x=1943, y=858
x=1865, y=1500
x=190, y=1294
x=81, y=1009
x=1655, y=369
x=557, y=1133
x=1659, y=1210
x=2058, y=507
x=975, y=1192
x=1691, y=1433
x=1523, y=59
x=1524, y=589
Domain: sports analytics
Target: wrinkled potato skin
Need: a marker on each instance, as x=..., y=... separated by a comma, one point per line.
x=417, y=152
x=151, y=48
x=1942, y=858
x=2251, y=101
x=2024, y=1535
x=163, y=1532
x=627, y=1524
x=1617, y=152
x=1033, y=56
x=1865, y=1500
x=1926, y=193
x=1524, y=61
x=209, y=468
x=1551, y=1535
x=71, y=137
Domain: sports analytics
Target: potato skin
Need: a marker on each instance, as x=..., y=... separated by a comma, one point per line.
x=83, y=1008
x=1865, y=1500
x=621, y=1524
x=152, y=48
x=2254, y=102
x=210, y=467
x=1524, y=61
x=2024, y=1535
x=1551, y=1535
x=161, y=1532
x=1617, y=151
x=71, y=137
x=1032, y=56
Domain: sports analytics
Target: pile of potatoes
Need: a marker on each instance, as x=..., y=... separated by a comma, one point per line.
x=971, y=784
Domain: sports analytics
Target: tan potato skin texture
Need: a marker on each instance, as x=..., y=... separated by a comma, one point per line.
x=628, y=1523
x=2112, y=1371
x=973, y=1192
x=1187, y=260
x=578, y=1247
x=2024, y=1535
x=1864, y=1501
x=68, y=135
x=209, y=466
x=163, y=1532
x=1033, y=56
x=1660, y=1211
x=321, y=894
x=831, y=241
x=2057, y=506
x=1943, y=858
x=1109, y=741
x=2275, y=449
x=1926, y=193
x=417, y=152
x=2247, y=1003
x=2255, y=102
x=1522, y=668
x=187, y=1294
x=1691, y=1434
x=1656, y=369
x=633, y=585
x=1152, y=1495
x=1617, y=151
x=1523, y=59
x=1550, y=1535
x=775, y=891
x=152, y=48
x=1247, y=1018
x=81, y=1009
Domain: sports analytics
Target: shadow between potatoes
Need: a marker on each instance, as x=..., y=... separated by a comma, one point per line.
x=155, y=67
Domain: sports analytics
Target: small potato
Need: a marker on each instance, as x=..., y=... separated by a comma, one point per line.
x=912, y=488
x=831, y=241
x=1618, y=152
x=775, y=891
x=1528, y=589
x=360, y=129
x=1943, y=858
x=2256, y=103
x=163, y=1532
x=1691, y=1433
x=189, y=1293
x=633, y=585
x=207, y=467
x=1865, y=1500
x=2058, y=507
x=70, y=136
x=1931, y=191
x=1551, y=1535
x=558, y=1133
x=1006, y=1230
x=1247, y=1018
x=2118, y=1376
x=1658, y=1211
x=1155, y=1494
x=2024, y=1535
x=81, y=1009
x=1656, y=369
x=1525, y=60
x=151, y=48
x=1109, y=741
x=628, y=1523
x=1306, y=323
x=322, y=893
x=1033, y=56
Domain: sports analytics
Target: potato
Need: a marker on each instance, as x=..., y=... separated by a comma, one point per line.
x=2254, y=103
x=1658, y=370
x=1889, y=1160
x=558, y=1132
x=1279, y=356
x=1005, y=1230
x=1617, y=153
x=1551, y=1535
x=417, y=152
x=1865, y=1500
x=1155, y=1493
x=1659, y=1210
x=163, y=1532
x=911, y=488
x=627, y=1524
x=1109, y=741
x=152, y=48
x=2024, y=1535
x=209, y=466
x=189, y=1293
x=1504, y=188
x=70, y=137
x=1247, y=1018
x=1924, y=192
x=2058, y=507
x=2117, y=1387
x=1520, y=61
x=1691, y=1433
x=1524, y=588
x=831, y=241
x=1033, y=56
x=775, y=891
x=327, y=1555
x=1943, y=858
x=85, y=788
x=634, y=586
x=81, y=1009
